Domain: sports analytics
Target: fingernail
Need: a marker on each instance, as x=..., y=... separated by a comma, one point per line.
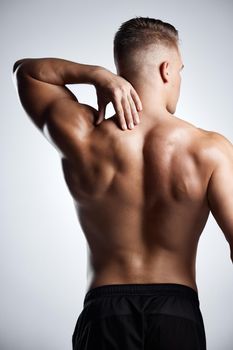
x=124, y=126
x=131, y=125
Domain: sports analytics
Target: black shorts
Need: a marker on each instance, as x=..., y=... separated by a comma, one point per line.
x=155, y=316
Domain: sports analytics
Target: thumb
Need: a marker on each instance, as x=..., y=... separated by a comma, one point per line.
x=101, y=112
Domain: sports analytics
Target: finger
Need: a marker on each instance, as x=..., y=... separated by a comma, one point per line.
x=134, y=111
x=101, y=112
x=120, y=113
x=127, y=112
x=136, y=99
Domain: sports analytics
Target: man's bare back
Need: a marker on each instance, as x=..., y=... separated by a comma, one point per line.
x=141, y=200
x=140, y=194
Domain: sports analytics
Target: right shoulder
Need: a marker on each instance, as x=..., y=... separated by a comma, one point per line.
x=216, y=147
x=218, y=141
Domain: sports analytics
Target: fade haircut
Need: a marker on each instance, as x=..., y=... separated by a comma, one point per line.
x=137, y=35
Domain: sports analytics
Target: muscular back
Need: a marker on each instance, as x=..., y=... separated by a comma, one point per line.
x=142, y=196
x=141, y=200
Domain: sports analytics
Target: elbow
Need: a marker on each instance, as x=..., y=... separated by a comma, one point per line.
x=19, y=63
x=16, y=64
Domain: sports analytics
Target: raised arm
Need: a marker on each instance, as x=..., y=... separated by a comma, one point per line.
x=220, y=187
x=55, y=110
x=41, y=82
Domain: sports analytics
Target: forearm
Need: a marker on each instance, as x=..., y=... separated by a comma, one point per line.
x=57, y=71
x=109, y=86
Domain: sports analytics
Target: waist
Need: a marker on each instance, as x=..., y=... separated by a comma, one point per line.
x=144, y=289
x=163, y=271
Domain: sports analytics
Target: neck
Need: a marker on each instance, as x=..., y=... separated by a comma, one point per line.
x=152, y=98
x=150, y=92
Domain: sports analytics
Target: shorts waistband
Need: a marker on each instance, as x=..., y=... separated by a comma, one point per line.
x=141, y=289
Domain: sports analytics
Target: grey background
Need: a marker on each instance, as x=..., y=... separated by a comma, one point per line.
x=43, y=250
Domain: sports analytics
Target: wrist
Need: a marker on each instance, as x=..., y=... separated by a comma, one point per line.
x=99, y=75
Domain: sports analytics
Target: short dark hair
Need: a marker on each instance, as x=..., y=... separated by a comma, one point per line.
x=140, y=32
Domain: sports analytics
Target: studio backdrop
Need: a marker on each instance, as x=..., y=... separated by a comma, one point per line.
x=43, y=250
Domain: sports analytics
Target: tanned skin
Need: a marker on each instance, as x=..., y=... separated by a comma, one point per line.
x=142, y=195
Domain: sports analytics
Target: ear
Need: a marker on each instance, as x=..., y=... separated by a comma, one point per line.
x=164, y=71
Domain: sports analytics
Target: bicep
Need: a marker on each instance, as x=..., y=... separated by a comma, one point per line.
x=220, y=188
